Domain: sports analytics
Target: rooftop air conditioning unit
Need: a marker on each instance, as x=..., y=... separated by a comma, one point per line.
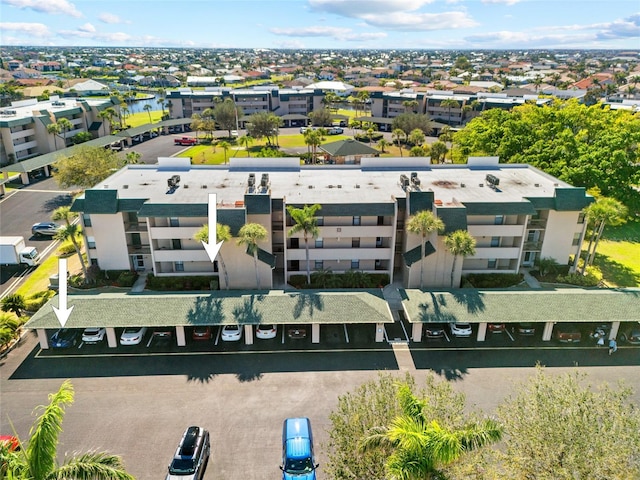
x=252, y=179
x=492, y=180
x=404, y=180
x=173, y=181
x=264, y=181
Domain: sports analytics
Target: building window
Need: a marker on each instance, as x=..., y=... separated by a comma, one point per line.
x=492, y=263
x=581, y=217
x=576, y=239
x=378, y=242
x=174, y=222
x=91, y=242
x=94, y=262
x=499, y=220
x=320, y=221
x=355, y=242
x=318, y=265
x=178, y=266
x=378, y=265
x=295, y=243
x=319, y=242
x=356, y=220
x=86, y=219
x=380, y=220
x=531, y=236
x=295, y=265
x=215, y=267
x=355, y=264
x=495, y=241
x=176, y=244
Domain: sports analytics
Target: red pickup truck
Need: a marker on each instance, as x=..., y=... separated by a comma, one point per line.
x=185, y=141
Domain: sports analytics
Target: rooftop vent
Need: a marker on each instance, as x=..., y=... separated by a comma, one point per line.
x=58, y=104
x=339, y=186
x=492, y=180
x=357, y=185
x=173, y=181
x=252, y=179
x=125, y=187
x=8, y=112
x=462, y=185
x=264, y=181
x=404, y=181
x=536, y=184
x=330, y=186
x=203, y=186
x=310, y=187
x=481, y=184
x=185, y=186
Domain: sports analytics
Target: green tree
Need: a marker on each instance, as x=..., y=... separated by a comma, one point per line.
x=416, y=137
x=250, y=235
x=321, y=117
x=439, y=151
x=54, y=129
x=604, y=211
x=37, y=460
x=460, y=244
x=407, y=122
x=147, y=108
x=382, y=143
x=70, y=231
x=562, y=427
x=399, y=135
x=449, y=103
x=264, y=125
x=133, y=158
x=417, y=151
x=86, y=166
x=410, y=105
x=9, y=328
x=13, y=303
x=305, y=221
x=313, y=139
x=65, y=126
x=227, y=114
x=424, y=223
x=223, y=234
x=225, y=146
x=546, y=265
x=247, y=141
x=105, y=115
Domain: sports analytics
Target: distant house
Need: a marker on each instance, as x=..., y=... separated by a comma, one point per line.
x=91, y=87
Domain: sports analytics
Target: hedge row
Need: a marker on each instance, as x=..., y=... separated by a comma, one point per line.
x=186, y=283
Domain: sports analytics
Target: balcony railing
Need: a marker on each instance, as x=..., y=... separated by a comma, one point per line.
x=135, y=227
x=537, y=224
x=532, y=246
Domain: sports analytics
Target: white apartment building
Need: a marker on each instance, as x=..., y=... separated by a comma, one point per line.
x=144, y=217
x=23, y=125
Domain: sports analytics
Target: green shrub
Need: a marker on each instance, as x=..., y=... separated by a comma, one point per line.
x=66, y=249
x=127, y=279
x=592, y=277
x=182, y=283
x=37, y=300
x=493, y=280
x=365, y=138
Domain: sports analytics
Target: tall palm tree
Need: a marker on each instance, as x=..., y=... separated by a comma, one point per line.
x=54, y=128
x=424, y=223
x=70, y=231
x=459, y=243
x=313, y=138
x=147, y=108
x=449, y=103
x=604, y=211
x=250, y=234
x=382, y=143
x=246, y=140
x=223, y=234
x=105, y=115
x=37, y=460
x=225, y=146
x=398, y=134
x=421, y=446
x=410, y=105
x=65, y=126
x=416, y=137
x=306, y=222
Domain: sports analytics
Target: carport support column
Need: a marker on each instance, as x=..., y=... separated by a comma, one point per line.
x=42, y=338
x=615, y=326
x=416, y=332
x=111, y=337
x=482, y=331
x=24, y=178
x=547, y=332
x=248, y=334
x=180, y=340
x=379, y=332
x=315, y=333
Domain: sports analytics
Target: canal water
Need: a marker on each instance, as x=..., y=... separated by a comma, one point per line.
x=137, y=106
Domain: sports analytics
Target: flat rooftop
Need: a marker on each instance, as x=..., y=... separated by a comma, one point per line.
x=376, y=180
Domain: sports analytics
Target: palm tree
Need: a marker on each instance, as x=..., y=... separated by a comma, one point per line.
x=133, y=158
x=398, y=134
x=421, y=446
x=13, y=303
x=416, y=137
x=424, y=223
x=250, y=234
x=147, y=108
x=604, y=211
x=55, y=129
x=382, y=143
x=224, y=145
x=70, y=231
x=105, y=115
x=246, y=140
x=306, y=222
x=410, y=105
x=313, y=138
x=223, y=234
x=459, y=243
x=449, y=103
x=65, y=126
x=37, y=459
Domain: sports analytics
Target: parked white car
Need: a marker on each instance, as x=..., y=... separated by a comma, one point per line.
x=231, y=333
x=460, y=329
x=132, y=335
x=266, y=332
x=93, y=335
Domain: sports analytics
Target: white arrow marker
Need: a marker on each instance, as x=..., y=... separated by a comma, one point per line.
x=212, y=247
x=62, y=312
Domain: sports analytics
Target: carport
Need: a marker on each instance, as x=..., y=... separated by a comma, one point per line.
x=304, y=307
x=547, y=306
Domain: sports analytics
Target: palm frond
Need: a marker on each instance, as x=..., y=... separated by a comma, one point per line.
x=93, y=466
x=411, y=405
x=478, y=435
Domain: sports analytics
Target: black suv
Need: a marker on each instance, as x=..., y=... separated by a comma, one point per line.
x=192, y=455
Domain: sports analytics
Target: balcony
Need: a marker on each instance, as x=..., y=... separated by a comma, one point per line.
x=496, y=230
x=139, y=249
x=135, y=227
x=169, y=255
x=532, y=246
x=340, y=254
x=536, y=224
x=168, y=233
x=496, y=252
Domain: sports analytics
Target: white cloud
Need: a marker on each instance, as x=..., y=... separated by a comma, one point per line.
x=325, y=31
x=356, y=8
x=418, y=22
x=30, y=29
x=56, y=7
x=110, y=18
x=502, y=2
x=89, y=32
x=88, y=28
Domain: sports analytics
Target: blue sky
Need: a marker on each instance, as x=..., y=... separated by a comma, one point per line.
x=340, y=24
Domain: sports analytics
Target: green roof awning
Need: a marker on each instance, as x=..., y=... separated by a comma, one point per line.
x=500, y=208
x=264, y=257
x=101, y=201
x=95, y=126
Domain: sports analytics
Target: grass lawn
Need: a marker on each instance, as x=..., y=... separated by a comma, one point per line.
x=618, y=255
x=142, y=118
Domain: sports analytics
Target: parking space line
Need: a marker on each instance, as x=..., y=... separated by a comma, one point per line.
x=510, y=336
x=346, y=333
